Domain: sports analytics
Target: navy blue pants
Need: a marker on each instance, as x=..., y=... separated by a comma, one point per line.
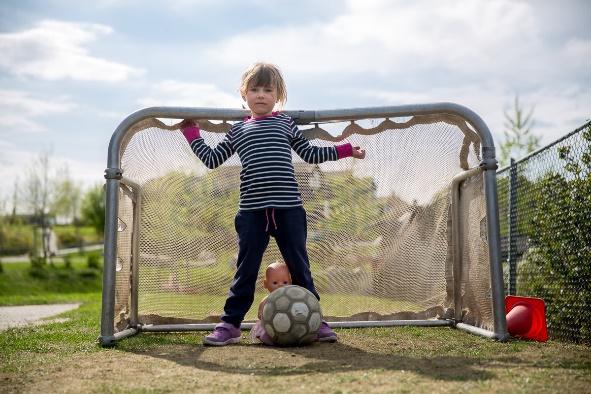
x=254, y=228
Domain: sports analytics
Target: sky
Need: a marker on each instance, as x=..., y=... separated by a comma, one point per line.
x=71, y=71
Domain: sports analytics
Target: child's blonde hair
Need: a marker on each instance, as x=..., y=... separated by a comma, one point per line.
x=264, y=74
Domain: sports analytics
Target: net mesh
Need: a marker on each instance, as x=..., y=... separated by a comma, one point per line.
x=379, y=232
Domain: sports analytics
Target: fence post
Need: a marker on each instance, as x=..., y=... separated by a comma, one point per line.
x=512, y=222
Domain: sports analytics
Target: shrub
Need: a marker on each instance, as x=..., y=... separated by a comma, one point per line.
x=15, y=239
x=89, y=273
x=38, y=268
x=557, y=268
x=68, y=239
x=93, y=261
x=68, y=262
x=71, y=236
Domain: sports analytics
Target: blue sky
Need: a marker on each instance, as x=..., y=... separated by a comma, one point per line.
x=69, y=73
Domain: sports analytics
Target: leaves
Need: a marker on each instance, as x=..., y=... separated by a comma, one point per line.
x=519, y=141
x=557, y=267
x=93, y=208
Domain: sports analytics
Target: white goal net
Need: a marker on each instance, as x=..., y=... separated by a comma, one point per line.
x=380, y=238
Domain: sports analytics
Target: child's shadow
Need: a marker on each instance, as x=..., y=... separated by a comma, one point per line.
x=317, y=358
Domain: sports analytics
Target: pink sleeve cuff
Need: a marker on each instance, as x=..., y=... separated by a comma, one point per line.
x=345, y=150
x=191, y=133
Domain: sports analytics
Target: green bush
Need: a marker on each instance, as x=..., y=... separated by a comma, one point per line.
x=15, y=239
x=557, y=268
x=89, y=273
x=68, y=262
x=70, y=237
x=38, y=268
x=93, y=261
x=69, y=240
x=93, y=208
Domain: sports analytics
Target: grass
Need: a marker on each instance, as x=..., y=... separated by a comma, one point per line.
x=55, y=284
x=199, y=305
x=18, y=237
x=64, y=357
x=205, y=290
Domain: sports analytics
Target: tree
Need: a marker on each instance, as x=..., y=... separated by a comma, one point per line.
x=38, y=192
x=66, y=197
x=15, y=201
x=519, y=141
x=66, y=202
x=93, y=208
x=38, y=185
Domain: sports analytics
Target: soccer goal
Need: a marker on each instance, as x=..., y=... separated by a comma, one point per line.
x=407, y=236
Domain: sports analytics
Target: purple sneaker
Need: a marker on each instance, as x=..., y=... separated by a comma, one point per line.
x=222, y=335
x=325, y=333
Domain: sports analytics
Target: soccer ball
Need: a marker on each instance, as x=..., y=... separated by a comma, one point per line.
x=291, y=316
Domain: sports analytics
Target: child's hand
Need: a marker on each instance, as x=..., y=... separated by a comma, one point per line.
x=358, y=153
x=190, y=130
x=188, y=123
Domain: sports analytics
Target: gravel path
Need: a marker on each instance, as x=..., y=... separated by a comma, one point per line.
x=18, y=316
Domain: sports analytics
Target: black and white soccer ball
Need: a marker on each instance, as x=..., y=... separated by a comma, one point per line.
x=292, y=316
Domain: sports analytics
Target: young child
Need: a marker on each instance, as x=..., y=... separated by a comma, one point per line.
x=270, y=202
x=276, y=276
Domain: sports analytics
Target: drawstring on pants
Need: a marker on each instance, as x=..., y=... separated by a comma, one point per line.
x=272, y=217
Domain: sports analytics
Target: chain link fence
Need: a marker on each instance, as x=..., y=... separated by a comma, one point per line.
x=545, y=217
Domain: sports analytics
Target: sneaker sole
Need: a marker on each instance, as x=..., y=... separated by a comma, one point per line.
x=213, y=343
x=328, y=339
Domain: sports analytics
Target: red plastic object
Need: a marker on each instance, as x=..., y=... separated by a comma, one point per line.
x=526, y=317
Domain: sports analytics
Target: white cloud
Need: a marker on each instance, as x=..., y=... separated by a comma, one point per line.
x=176, y=4
x=176, y=93
x=19, y=108
x=476, y=53
x=12, y=122
x=54, y=50
x=26, y=103
x=429, y=43
x=379, y=36
x=579, y=52
x=16, y=161
x=556, y=110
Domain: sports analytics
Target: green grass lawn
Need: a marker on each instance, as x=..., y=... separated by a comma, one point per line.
x=199, y=306
x=206, y=289
x=56, y=284
x=65, y=357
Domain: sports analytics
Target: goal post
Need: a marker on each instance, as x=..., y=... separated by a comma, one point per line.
x=408, y=236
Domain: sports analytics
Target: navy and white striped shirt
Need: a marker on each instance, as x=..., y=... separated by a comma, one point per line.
x=267, y=178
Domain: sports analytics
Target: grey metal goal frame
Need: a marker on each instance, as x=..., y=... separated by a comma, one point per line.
x=114, y=178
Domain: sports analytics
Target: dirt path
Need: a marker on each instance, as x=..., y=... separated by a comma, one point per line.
x=18, y=316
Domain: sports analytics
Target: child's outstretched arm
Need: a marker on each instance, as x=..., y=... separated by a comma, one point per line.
x=212, y=158
x=318, y=154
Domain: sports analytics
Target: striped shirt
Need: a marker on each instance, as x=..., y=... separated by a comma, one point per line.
x=267, y=178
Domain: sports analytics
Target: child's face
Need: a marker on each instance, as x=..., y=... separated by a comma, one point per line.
x=276, y=278
x=261, y=99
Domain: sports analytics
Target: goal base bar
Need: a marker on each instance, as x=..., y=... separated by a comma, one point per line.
x=482, y=332
x=112, y=340
x=336, y=324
